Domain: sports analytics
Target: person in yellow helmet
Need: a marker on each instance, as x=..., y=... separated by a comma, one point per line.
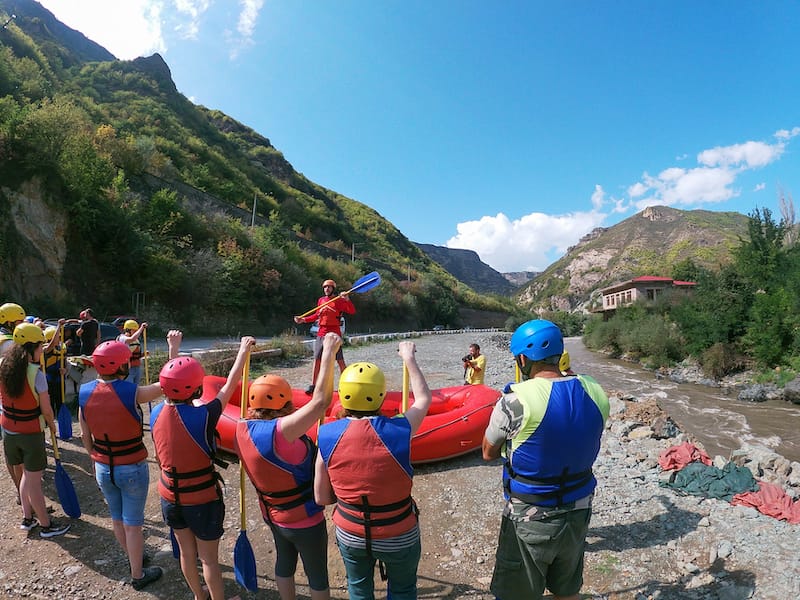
x=27, y=414
x=132, y=336
x=11, y=315
x=329, y=314
x=364, y=467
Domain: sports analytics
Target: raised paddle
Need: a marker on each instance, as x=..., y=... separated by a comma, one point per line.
x=64, y=487
x=404, y=397
x=364, y=284
x=144, y=357
x=244, y=561
x=64, y=416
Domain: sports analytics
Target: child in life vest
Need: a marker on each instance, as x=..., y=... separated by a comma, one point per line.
x=278, y=457
x=183, y=436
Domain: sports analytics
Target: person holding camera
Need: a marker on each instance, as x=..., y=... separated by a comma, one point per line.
x=474, y=365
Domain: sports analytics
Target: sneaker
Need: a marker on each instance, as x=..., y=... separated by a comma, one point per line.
x=149, y=575
x=54, y=529
x=28, y=524
x=310, y=390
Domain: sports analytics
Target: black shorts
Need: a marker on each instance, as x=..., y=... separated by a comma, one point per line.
x=205, y=520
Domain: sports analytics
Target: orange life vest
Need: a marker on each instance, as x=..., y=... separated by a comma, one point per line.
x=112, y=413
x=23, y=414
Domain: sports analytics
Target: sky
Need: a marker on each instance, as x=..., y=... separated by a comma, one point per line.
x=509, y=128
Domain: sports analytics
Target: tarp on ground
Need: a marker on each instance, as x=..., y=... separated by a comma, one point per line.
x=677, y=457
x=698, y=479
x=771, y=500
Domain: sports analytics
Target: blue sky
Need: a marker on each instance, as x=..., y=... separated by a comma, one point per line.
x=510, y=128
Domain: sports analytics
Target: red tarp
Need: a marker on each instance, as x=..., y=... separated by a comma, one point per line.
x=771, y=500
x=677, y=457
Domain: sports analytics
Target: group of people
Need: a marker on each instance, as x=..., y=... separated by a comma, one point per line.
x=546, y=427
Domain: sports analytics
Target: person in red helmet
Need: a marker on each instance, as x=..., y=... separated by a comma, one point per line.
x=329, y=313
x=88, y=332
x=112, y=434
x=278, y=457
x=183, y=436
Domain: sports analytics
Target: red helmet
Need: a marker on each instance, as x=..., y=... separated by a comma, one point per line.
x=270, y=391
x=330, y=282
x=108, y=357
x=181, y=378
x=82, y=315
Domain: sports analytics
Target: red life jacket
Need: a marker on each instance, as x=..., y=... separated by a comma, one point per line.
x=188, y=476
x=285, y=491
x=136, y=353
x=369, y=466
x=23, y=414
x=114, y=418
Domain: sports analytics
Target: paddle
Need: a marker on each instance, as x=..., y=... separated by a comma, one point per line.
x=176, y=550
x=244, y=561
x=364, y=284
x=64, y=416
x=144, y=357
x=404, y=397
x=64, y=487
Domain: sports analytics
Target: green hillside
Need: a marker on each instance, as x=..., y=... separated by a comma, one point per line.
x=151, y=196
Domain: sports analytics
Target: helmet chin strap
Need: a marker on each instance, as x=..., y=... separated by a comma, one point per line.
x=524, y=369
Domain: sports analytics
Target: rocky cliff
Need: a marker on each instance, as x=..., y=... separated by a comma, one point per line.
x=467, y=267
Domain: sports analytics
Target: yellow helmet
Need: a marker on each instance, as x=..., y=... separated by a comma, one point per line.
x=130, y=325
x=270, y=391
x=28, y=333
x=50, y=332
x=11, y=313
x=362, y=386
x=563, y=363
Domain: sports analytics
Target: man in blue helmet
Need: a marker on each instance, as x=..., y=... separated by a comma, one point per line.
x=548, y=429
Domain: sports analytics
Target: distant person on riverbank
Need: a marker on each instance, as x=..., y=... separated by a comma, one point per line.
x=331, y=308
x=474, y=365
x=364, y=467
x=548, y=430
x=112, y=434
x=279, y=459
x=189, y=486
x=88, y=332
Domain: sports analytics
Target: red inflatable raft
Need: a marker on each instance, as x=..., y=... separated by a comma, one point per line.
x=455, y=423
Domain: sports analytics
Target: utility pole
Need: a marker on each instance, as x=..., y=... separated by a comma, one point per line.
x=353, y=253
x=253, y=219
x=12, y=17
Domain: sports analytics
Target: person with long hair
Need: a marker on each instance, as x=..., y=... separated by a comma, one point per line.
x=279, y=457
x=191, y=496
x=27, y=413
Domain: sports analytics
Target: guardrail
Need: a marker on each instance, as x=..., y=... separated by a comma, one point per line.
x=382, y=337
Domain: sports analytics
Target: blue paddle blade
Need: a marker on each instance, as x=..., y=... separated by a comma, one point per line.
x=64, y=418
x=66, y=492
x=244, y=563
x=366, y=283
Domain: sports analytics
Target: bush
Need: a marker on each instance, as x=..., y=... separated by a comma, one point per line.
x=720, y=359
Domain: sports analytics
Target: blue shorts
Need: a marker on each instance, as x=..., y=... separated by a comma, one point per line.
x=127, y=494
x=205, y=520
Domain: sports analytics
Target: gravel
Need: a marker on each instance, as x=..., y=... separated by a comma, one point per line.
x=645, y=541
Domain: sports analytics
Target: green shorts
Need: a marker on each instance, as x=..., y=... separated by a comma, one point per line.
x=27, y=449
x=534, y=555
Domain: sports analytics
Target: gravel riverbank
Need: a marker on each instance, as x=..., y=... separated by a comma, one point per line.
x=645, y=541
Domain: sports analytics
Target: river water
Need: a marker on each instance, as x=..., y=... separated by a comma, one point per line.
x=720, y=422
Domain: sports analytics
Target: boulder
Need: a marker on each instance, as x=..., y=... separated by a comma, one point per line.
x=791, y=391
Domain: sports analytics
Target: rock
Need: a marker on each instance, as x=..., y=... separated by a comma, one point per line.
x=757, y=393
x=791, y=391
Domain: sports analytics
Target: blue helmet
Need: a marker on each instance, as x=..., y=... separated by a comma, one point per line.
x=537, y=340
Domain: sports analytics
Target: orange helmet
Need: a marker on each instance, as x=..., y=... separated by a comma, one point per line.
x=270, y=391
x=329, y=282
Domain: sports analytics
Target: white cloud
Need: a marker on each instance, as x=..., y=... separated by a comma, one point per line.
x=194, y=10
x=524, y=244
x=759, y=187
x=713, y=180
x=126, y=28
x=133, y=28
